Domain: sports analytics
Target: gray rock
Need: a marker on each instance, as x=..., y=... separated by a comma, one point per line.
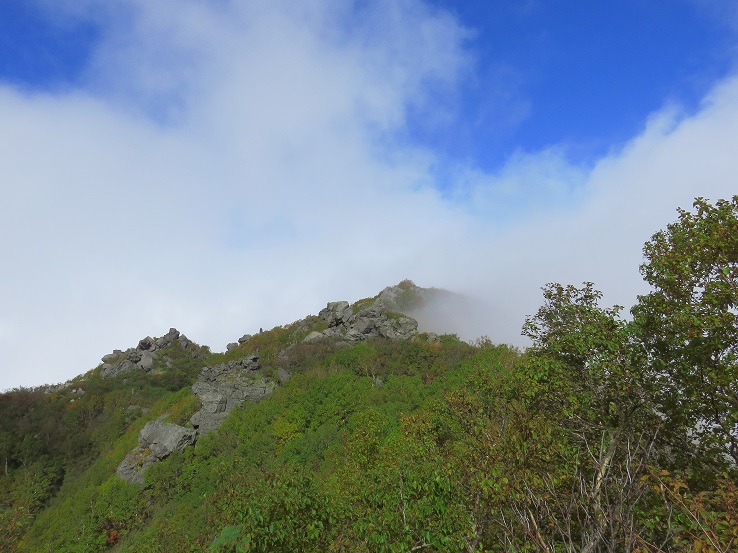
x=366, y=322
x=147, y=361
x=156, y=441
x=372, y=322
x=207, y=422
x=353, y=335
x=163, y=438
x=250, y=362
x=244, y=338
x=213, y=400
x=107, y=370
x=171, y=336
x=110, y=357
x=314, y=336
x=232, y=345
x=335, y=332
x=168, y=338
x=336, y=313
x=147, y=344
x=222, y=388
x=126, y=366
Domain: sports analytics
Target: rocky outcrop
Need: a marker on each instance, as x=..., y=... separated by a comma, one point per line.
x=220, y=388
x=223, y=387
x=156, y=441
x=437, y=310
x=143, y=356
x=372, y=322
x=405, y=297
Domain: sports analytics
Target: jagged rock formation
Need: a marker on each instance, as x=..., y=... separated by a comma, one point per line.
x=222, y=388
x=143, y=356
x=372, y=322
x=156, y=441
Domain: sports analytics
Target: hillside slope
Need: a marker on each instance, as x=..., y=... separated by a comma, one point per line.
x=355, y=431
x=81, y=448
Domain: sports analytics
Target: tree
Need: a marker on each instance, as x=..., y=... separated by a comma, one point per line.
x=588, y=370
x=689, y=328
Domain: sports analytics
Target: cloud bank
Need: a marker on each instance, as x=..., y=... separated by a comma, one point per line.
x=228, y=166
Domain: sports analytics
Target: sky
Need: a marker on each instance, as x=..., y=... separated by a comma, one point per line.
x=221, y=166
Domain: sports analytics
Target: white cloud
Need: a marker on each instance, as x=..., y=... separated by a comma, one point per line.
x=625, y=198
x=240, y=208
x=230, y=166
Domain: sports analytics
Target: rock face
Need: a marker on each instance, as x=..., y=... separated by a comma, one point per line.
x=222, y=388
x=143, y=356
x=156, y=441
x=375, y=321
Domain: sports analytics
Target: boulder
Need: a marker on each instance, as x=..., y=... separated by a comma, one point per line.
x=223, y=387
x=147, y=360
x=336, y=313
x=163, y=438
x=147, y=343
x=156, y=441
x=314, y=336
x=110, y=357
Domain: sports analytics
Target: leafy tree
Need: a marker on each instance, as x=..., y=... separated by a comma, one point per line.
x=585, y=373
x=689, y=327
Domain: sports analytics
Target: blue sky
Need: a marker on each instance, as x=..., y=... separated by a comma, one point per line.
x=223, y=166
x=584, y=75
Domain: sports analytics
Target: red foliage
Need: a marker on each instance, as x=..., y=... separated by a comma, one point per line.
x=113, y=537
